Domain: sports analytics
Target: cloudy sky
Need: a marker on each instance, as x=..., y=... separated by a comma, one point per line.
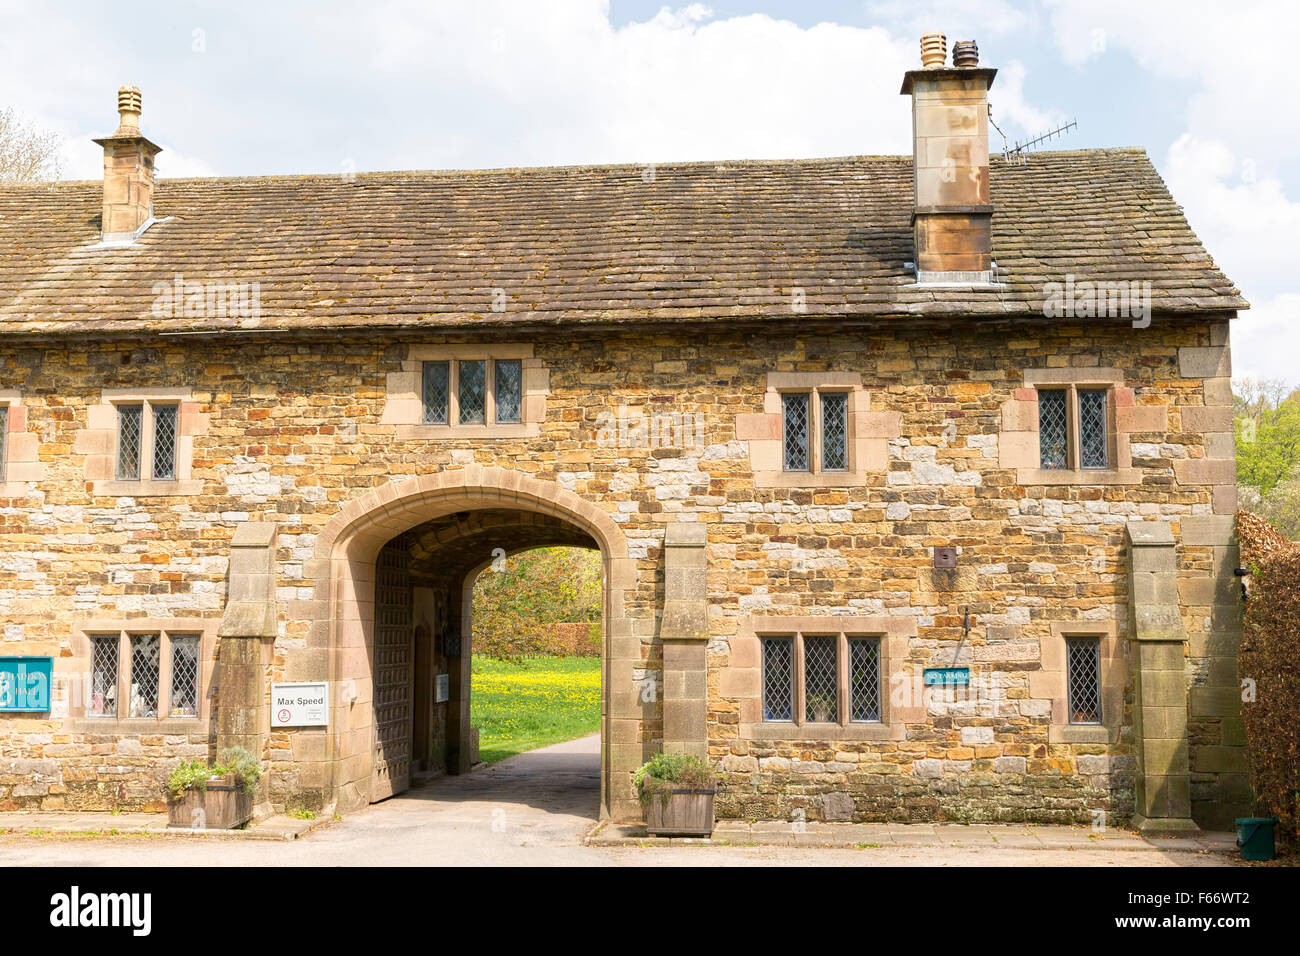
x=235, y=88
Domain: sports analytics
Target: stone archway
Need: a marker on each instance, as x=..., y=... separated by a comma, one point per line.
x=338, y=647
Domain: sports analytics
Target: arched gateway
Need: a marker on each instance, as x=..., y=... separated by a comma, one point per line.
x=390, y=614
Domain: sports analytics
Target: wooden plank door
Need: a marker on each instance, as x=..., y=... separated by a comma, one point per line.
x=393, y=675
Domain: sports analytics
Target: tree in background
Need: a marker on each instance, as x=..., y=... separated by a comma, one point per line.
x=517, y=599
x=1267, y=425
x=27, y=154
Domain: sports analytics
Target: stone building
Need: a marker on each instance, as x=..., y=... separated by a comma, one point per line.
x=913, y=476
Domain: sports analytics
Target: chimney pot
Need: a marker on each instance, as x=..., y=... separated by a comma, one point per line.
x=128, y=108
x=934, y=50
x=965, y=53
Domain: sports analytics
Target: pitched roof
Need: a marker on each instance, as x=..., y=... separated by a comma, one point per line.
x=690, y=241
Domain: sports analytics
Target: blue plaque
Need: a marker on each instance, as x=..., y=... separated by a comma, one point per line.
x=25, y=684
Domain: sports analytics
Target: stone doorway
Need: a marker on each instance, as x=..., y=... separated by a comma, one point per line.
x=449, y=527
x=421, y=655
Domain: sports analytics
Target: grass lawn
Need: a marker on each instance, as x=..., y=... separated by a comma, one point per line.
x=539, y=701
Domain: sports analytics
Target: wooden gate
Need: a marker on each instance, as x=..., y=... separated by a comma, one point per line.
x=394, y=631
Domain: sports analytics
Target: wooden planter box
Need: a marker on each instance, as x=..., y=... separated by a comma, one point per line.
x=186, y=810
x=222, y=806
x=686, y=812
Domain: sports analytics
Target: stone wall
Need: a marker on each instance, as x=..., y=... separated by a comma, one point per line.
x=293, y=430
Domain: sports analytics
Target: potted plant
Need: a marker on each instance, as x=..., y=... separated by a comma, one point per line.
x=677, y=792
x=219, y=797
x=822, y=707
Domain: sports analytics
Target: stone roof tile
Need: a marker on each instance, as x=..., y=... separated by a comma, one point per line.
x=584, y=245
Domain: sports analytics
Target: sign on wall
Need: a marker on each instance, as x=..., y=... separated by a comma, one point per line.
x=441, y=688
x=303, y=704
x=25, y=684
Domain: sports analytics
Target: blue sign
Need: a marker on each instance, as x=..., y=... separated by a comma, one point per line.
x=25, y=683
x=947, y=675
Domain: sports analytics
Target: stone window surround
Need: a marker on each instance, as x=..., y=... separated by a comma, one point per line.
x=98, y=441
x=82, y=722
x=404, y=399
x=868, y=432
x=22, y=463
x=1018, y=446
x=743, y=678
x=1051, y=682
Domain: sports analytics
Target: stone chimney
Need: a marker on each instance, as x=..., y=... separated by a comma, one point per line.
x=128, y=173
x=951, y=212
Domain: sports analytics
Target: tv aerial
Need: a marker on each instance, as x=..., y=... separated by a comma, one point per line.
x=1018, y=154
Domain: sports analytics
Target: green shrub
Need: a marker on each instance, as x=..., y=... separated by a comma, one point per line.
x=188, y=775
x=195, y=774
x=238, y=761
x=659, y=775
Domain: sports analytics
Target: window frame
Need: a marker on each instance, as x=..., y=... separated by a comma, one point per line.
x=763, y=641
x=1052, y=681
x=800, y=706
x=113, y=639
x=146, y=450
x=99, y=441
x=174, y=408
x=452, y=417
x=124, y=633
x=1094, y=646
x=1073, y=427
x=816, y=438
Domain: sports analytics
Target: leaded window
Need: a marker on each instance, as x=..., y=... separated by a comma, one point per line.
x=145, y=658
x=472, y=392
x=103, y=676
x=1092, y=428
x=185, y=675
x=436, y=392
x=1053, y=435
x=823, y=678
x=130, y=429
x=164, y=441
x=835, y=431
x=864, y=679
x=821, y=686
x=778, y=678
x=508, y=389
x=794, y=431
x=1083, y=676
x=1073, y=428
x=159, y=674
x=4, y=439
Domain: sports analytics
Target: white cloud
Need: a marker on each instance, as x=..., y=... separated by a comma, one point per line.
x=565, y=86
x=1264, y=344
x=958, y=19
x=1241, y=135
x=492, y=83
x=1245, y=219
x=1239, y=57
